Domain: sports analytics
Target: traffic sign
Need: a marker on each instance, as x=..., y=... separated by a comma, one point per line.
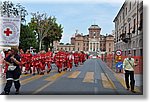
x=118, y=52
x=119, y=65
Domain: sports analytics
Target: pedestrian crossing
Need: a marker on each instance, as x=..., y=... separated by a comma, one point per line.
x=75, y=74
x=89, y=77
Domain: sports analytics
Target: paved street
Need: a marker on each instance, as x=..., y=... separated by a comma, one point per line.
x=94, y=77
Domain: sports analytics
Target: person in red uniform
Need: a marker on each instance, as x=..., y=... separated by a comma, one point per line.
x=76, y=59
x=48, y=60
x=23, y=60
x=65, y=60
x=42, y=62
x=82, y=57
x=70, y=59
x=58, y=58
x=28, y=57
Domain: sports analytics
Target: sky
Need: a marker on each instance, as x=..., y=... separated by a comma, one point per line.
x=76, y=14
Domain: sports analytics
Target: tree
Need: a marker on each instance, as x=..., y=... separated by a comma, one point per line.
x=46, y=28
x=9, y=9
x=54, y=34
x=27, y=37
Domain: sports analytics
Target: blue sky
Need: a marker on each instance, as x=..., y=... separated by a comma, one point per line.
x=77, y=14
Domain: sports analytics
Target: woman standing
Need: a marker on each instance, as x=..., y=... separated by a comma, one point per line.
x=13, y=73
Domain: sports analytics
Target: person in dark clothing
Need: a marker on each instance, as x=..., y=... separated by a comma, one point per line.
x=13, y=73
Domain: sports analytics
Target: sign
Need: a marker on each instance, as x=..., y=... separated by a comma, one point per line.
x=118, y=52
x=119, y=65
x=9, y=31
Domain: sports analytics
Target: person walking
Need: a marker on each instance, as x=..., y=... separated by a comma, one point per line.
x=13, y=73
x=128, y=66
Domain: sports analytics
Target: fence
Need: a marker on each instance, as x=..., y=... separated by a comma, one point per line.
x=112, y=59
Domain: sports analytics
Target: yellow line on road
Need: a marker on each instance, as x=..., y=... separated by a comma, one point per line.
x=89, y=77
x=52, y=78
x=25, y=81
x=74, y=74
x=106, y=81
x=24, y=75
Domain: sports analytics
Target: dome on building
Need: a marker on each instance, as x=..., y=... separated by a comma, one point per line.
x=94, y=27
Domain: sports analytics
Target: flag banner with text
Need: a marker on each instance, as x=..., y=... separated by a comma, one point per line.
x=9, y=31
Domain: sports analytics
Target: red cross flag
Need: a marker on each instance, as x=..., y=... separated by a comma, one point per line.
x=9, y=31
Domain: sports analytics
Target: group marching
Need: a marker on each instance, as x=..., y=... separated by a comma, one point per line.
x=41, y=62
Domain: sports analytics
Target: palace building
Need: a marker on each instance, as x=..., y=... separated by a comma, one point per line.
x=94, y=41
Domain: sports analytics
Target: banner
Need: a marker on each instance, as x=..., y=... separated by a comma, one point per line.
x=9, y=31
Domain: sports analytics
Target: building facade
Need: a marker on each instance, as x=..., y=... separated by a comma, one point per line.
x=92, y=42
x=129, y=28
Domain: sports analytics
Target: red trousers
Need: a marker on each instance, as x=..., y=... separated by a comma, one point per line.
x=70, y=65
x=59, y=65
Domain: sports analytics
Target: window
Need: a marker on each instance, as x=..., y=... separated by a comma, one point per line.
x=130, y=6
x=109, y=44
x=141, y=20
x=78, y=49
x=120, y=18
x=109, y=49
x=125, y=30
x=134, y=52
x=78, y=44
x=126, y=10
x=134, y=26
x=129, y=29
x=141, y=52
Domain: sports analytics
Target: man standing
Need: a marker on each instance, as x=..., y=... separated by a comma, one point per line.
x=13, y=73
x=128, y=65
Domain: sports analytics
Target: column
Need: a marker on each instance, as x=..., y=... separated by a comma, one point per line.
x=89, y=46
x=92, y=46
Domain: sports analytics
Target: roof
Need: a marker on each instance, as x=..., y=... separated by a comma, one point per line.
x=94, y=27
x=110, y=36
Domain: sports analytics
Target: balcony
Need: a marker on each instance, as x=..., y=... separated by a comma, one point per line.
x=125, y=37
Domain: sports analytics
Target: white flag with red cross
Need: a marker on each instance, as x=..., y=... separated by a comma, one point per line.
x=9, y=31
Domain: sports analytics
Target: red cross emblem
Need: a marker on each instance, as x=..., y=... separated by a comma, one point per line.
x=8, y=32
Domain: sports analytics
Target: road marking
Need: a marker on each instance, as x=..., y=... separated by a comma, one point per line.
x=106, y=81
x=25, y=81
x=2, y=81
x=24, y=75
x=54, y=77
x=43, y=87
x=89, y=77
x=74, y=74
x=122, y=81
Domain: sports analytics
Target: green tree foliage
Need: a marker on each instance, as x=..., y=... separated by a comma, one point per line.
x=27, y=38
x=47, y=29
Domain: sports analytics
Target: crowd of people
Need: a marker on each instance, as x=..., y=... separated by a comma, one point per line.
x=41, y=62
